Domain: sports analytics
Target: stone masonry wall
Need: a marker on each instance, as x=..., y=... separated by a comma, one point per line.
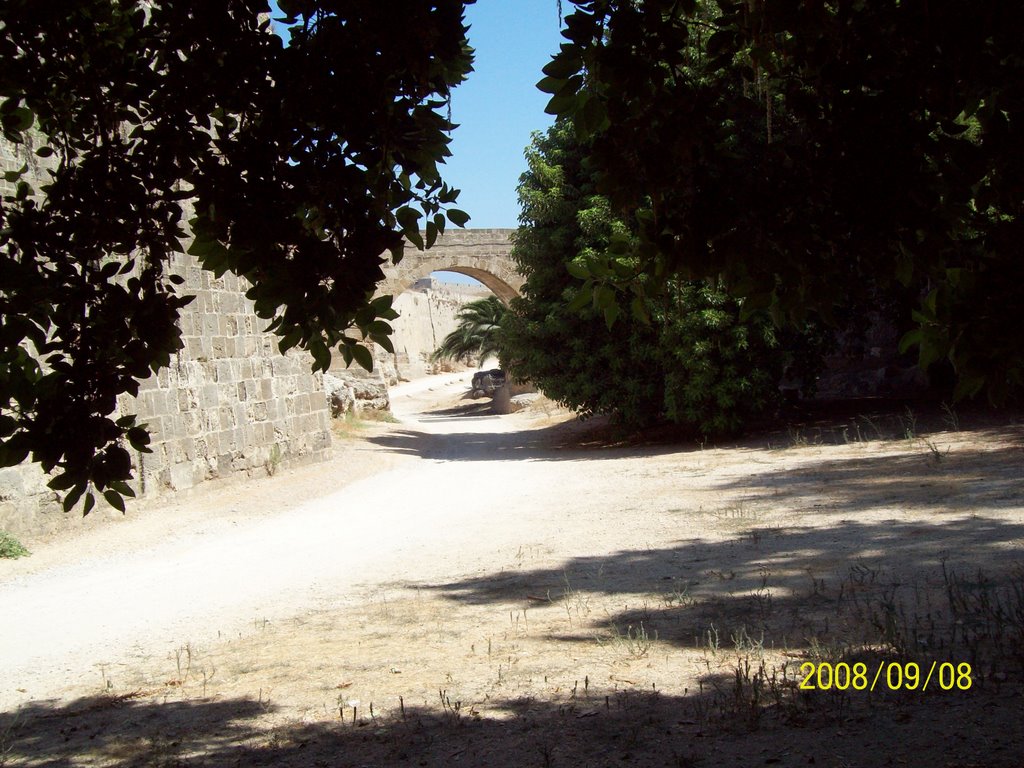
x=425, y=318
x=228, y=404
x=480, y=253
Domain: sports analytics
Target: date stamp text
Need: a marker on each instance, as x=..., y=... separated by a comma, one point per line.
x=887, y=675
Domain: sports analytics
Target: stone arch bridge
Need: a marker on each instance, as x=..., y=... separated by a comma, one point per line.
x=482, y=254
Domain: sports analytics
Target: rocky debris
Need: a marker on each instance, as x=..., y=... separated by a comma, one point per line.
x=523, y=401
x=354, y=393
x=341, y=396
x=510, y=390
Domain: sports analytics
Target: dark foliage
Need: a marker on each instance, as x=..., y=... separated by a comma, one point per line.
x=810, y=152
x=687, y=357
x=295, y=166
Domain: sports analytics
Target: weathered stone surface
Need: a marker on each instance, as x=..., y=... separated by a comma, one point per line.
x=479, y=253
x=505, y=395
x=353, y=390
x=426, y=316
x=229, y=402
x=488, y=382
x=341, y=397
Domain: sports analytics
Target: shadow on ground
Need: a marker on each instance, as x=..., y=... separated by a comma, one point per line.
x=781, y=586
x=844, y=422
x=952, y=730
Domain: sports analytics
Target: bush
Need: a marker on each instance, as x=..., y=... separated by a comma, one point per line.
x=11, y=548
x=695, y=361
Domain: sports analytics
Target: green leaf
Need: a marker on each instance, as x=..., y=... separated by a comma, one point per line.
x=289, y=340
x=563, y=105
x=564, y=64
x=639, y=309
x=385, y=342
x=363, y=356
x=910, y=338
x=90, y=502
x=457, y=217
x=123, y=488
x=582, y=298
x=73, y=496
x=611, y=314
x=968, y=386
x=551, y=85
x=408, y=219
x=577, y=270
x=61, y=482
x=416, y=239
x=114, y=499
x=592, y=117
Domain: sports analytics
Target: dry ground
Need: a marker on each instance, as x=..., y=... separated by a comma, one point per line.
x=465, y=589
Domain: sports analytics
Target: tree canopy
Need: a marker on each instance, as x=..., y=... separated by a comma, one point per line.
x=293, y=165
x=799, y=151
x=685, y=356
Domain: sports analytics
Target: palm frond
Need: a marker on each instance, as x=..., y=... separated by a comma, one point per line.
x=477, y=332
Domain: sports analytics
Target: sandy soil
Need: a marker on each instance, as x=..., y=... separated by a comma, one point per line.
x=464, y=588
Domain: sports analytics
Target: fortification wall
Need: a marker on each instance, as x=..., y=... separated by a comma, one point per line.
x=228, y=404
x=425, y=318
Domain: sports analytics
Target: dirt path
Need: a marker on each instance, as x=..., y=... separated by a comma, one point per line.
x=461, y=568
x=203, y=568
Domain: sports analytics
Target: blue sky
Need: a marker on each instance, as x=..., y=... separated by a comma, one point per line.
x=498, y=108
x=499, y=105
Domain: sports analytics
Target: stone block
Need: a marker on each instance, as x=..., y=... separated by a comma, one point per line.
x=181, y=476
x=210, y=396
x=224, y=464
x=224, y=373
x=12, y=483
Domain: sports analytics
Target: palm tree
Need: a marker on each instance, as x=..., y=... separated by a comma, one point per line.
x=477, y=332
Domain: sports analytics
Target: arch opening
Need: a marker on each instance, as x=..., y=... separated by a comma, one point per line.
x=489, y=280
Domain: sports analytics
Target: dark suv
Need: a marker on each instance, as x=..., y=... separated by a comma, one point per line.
x=486, y=382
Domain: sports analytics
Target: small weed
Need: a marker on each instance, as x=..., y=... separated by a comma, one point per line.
x=909, y=424
x=711, y=639
x=273, y=462
x=11, y=548
x=680, y=597
x=744, y=643
x=879, y=434
x=636, y=642
x=452, y=710
x=574, y=601
x=738, y=513
x=379, y=416
x=762, y=596
x=952, y=419
x=934, y=454
x=796, y=438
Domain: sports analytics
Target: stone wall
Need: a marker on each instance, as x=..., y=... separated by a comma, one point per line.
x=425, y=318
x=483, y=254
x=228, y=404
